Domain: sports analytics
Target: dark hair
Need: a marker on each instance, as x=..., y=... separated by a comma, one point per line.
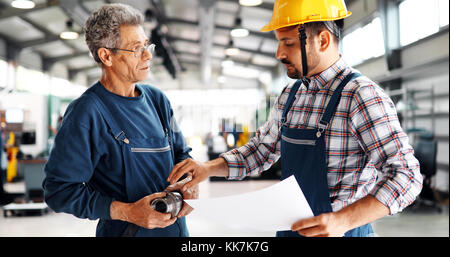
x=317, y=27
x=340, y=23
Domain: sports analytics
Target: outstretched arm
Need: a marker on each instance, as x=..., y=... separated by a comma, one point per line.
x=200, y=171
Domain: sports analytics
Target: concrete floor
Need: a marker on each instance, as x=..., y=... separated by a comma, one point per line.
x=410, y=223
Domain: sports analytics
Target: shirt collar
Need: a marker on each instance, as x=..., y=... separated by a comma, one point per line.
x=321, y=80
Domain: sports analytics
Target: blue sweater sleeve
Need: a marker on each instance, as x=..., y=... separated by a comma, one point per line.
x=69, y=168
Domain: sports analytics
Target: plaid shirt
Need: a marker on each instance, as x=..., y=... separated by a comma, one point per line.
x=367, y=151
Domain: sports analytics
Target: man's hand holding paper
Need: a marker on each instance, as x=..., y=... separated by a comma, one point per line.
x=274, y=208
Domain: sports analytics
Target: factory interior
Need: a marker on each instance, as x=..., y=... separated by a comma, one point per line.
x=222, y=78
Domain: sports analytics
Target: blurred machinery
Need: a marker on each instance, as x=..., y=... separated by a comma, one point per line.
x=20, y=166
x=425, y=150
x=233, y=135
x=11, y=149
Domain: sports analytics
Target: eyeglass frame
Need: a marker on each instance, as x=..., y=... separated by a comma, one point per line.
x=150, y=48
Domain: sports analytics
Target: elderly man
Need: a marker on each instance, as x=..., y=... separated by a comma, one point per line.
x=115, y=148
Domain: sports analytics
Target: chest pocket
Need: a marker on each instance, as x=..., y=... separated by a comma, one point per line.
x=298, y=141
x=148, y=162
x=150, y=150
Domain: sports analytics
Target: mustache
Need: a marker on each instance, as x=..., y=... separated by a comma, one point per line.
x=285, y=61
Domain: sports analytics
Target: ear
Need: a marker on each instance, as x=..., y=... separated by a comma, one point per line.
x=324, y=40
x=105, y=56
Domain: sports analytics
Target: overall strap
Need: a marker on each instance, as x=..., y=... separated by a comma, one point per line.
x=165, y=124
x=118, y=134
x=290, y=100
x=334, y=101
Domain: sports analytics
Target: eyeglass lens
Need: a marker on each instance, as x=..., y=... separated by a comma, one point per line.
x=140, y=51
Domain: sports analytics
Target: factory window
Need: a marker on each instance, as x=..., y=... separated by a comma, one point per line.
x=3, y=73
x=7, y=74
x=32, y=81
x=419, y=20
x=364, y=43
x=443, y=13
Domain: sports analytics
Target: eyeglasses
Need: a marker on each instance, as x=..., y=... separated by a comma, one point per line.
x=138, y=52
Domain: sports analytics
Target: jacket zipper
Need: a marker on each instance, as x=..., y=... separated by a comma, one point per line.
x=298, y=141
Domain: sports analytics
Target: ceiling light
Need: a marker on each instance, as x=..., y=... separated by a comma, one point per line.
x=69, y=33
x=23, y=4
x=250, y=2
x=232, y=50
x=239, y=31
x=227, y=63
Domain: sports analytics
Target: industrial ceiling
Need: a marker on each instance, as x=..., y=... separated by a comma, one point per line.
x=194, y=34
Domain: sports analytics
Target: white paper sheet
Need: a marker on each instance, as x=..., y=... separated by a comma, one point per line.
x=274, y=208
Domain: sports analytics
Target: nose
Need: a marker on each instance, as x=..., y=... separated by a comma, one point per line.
x=280, y=55
x=147, y=55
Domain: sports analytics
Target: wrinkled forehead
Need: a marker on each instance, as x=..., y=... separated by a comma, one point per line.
x=132, y=35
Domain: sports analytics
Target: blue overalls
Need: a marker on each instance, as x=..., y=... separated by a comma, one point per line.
x=147, y=164
x=303, y=155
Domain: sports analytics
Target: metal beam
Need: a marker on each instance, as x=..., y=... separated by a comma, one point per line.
x=35, y=42
x=269, y=35
x=11, y=11
x=206, y=25
x=75, y=10
x=390, y=23
x=161, y=19
x=13, y=52
x=389, y=15
x=66, y=57
x=267, y=54
x=74, y=72
x=48, y=34
x=236, y=61
x=48, y=62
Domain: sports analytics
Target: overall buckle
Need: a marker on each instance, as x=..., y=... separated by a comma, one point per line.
x=125, y=140
x=321, y=128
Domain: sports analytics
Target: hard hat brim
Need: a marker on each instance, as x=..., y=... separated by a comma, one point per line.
x=269, y=27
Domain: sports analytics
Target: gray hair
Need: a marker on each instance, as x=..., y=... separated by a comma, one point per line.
x=102, y=28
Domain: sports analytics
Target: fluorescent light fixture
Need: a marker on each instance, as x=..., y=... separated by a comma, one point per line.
x=227, y=63
x=250, y=2
x=23, y=4
x=69, y=35
x=232, y=51
x=239, y=32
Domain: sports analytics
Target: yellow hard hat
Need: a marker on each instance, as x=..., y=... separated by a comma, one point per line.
x=292, y=12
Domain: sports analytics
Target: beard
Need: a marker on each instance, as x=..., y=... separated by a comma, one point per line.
x=312, y=60
x=291, y=71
